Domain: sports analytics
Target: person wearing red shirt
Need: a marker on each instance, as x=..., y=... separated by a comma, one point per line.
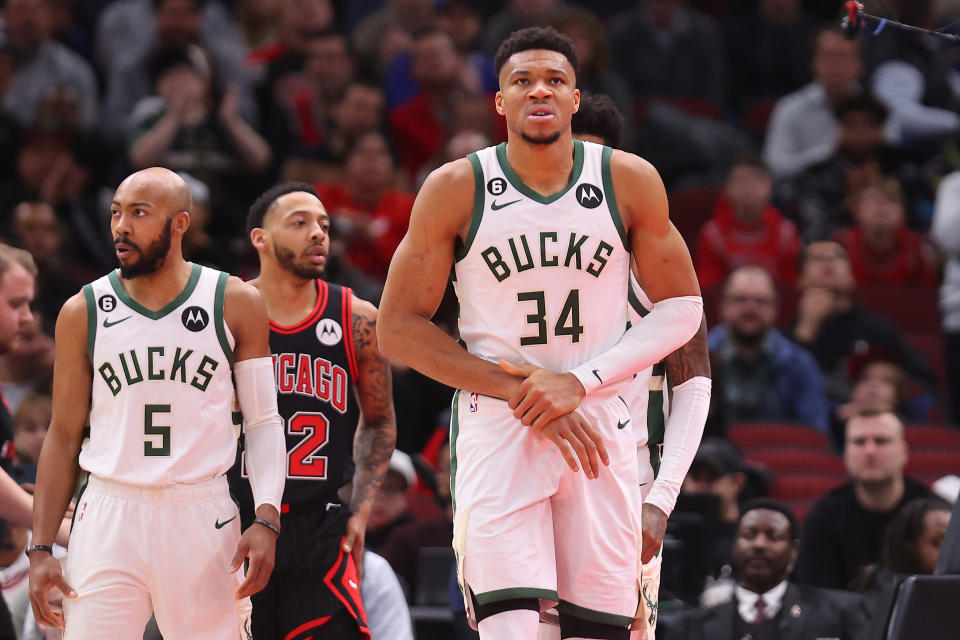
x=369, y=214
x=882, y=249
x=746, y=229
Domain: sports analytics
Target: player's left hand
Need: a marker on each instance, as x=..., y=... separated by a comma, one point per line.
x=543, y=395
x=654, y=523
x=354, y=539
x=259, y=544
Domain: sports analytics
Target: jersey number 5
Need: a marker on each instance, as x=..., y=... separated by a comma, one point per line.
x=568, y=322
x=151, y=431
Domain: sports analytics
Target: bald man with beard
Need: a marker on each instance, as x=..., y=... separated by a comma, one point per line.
x=151, y=357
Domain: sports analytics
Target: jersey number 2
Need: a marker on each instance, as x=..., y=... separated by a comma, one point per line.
x=304, y=463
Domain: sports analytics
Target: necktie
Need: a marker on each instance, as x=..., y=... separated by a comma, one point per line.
x=761, y=615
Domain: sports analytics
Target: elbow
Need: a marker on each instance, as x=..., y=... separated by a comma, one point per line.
x=387, y=336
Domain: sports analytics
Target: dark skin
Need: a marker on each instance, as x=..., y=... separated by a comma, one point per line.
x=297, y=225
x=538, y=96
x=142, y=205
x=763, y=549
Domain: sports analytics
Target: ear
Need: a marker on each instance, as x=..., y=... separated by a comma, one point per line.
x=576, y=100
x=498, y=102
x=181, y=222
x=257, y=238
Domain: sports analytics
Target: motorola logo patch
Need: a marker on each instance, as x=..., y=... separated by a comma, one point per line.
x=329, y=332
x=589, y=196
x=496, y=186
x=107, y=302
x=195, y=318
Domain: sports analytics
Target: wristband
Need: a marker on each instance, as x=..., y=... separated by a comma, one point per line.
x=268, y=525
x=38, y=547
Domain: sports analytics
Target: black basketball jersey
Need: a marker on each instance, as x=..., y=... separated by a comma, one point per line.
x=315, y=368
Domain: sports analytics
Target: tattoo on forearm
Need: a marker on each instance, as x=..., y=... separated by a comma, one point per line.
x=377, y=432
x=690, y=360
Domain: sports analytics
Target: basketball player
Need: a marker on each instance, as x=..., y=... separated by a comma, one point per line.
x=324, y=344
x=540, y=232
x=662, y=467
x=157, y=352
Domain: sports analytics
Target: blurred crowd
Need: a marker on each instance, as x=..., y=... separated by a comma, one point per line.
x=812, y=177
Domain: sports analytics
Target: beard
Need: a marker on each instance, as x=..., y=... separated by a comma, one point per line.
x=288, y=262
x=748, y=339
x=151, y=259
x=550, y=138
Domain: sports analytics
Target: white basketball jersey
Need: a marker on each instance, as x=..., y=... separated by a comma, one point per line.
x=541, y=279
x=163, y=395
x=647, y=399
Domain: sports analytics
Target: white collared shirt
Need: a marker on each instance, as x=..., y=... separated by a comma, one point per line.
x=772, y=599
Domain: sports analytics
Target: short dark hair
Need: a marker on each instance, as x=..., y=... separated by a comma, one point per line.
x=598, y=116
x=748, y=159
x=532, y=38
x=773, y=505
x=898, y=551
x=261, y=206
x=861, y=103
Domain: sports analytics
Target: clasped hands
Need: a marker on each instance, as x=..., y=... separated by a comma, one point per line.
x=547, y=402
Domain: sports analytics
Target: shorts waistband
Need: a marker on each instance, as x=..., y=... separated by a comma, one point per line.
x=180, y=493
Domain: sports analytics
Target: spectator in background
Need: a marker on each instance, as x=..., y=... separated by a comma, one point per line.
x=597, y=120
x=594, y=74
x=768, y=52
x=186, y=126
x=844, y=530
x=911, y=545
x=389, y=31
x=301, y=100
x=28, y=367
x=803, y=128
x=881, y=248
x=945, y=233
x=746, y=229
x=388, y=617
x=257, y=21
x=766, y=604
x=834, y=327
x=390, y=504
x=518, y=14
x=38, y=230
x=198, y=244
x=458, y=146
x=463, y=22
x=718, y=469
x=42, y=65
x=760, y=375
x=665, y=49
x=421, y=125
x=911, y=75
x=30, y=423
x=369, y=215
x=129, y=34
x=879, y=389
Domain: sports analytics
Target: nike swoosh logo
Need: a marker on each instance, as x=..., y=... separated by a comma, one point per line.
x=221, y=525
x=107, y=324
x=621, y=425
x=497, y=207
x=598, y=375
x=352, y=583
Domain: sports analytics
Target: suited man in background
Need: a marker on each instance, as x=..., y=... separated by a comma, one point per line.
x=765, y=604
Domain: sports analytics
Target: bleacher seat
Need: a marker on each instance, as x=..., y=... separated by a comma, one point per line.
x=930, y=436
x=776, y=434
x=690, y=208
x=912, y=307
x=925, y=607
x=804, y=486
x=793, y=459
x=929, y=461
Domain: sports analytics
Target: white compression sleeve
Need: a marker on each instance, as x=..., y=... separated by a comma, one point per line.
x=681, y=439
x=670, y=325
x=266, y=447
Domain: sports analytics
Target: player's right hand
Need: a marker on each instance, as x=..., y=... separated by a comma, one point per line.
x=259, y=544
x=45, y=574
x=573, y=435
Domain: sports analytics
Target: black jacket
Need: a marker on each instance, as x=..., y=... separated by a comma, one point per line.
x=806, y=613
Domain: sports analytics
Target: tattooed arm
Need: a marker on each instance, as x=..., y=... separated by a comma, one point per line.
x=377, y=430
x=688, y=374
